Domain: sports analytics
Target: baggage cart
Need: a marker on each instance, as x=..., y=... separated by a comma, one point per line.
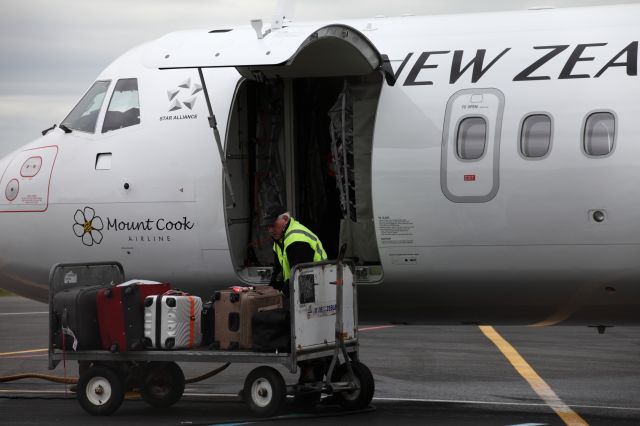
x=324, y=347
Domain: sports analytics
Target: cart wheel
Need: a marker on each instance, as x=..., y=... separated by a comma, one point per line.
x=100, y=391
x=163, y=384
x=356, y=399
x=264, y=391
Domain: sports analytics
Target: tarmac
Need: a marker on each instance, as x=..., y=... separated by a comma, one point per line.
x=437, y=375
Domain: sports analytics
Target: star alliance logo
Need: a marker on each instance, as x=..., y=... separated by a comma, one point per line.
x=184, y=95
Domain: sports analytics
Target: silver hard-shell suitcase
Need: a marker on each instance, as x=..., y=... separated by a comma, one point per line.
x=172, y=321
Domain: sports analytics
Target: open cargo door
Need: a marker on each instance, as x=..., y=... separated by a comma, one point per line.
x=346, y=71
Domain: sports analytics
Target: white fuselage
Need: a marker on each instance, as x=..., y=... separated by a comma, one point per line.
x=505, y=238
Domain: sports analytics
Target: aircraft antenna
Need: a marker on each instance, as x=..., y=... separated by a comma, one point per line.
x=284, y=13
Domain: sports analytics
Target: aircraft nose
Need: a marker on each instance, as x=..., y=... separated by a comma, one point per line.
x=24, y=201
x=4, y=162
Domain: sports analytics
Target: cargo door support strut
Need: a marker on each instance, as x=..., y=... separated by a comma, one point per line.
x=213, y=123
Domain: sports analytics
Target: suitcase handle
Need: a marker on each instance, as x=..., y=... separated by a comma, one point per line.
x=269, y=308
x=175, y=292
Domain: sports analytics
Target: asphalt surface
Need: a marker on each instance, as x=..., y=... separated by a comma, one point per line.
x=424, y=375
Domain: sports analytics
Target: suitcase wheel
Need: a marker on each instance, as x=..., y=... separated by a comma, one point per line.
x=147, y=342
x=171, y=302
x=215, y=345
x=114, y=348
x=148, y=302
x=233, y=346
x=170, y=342
x=128, y=291
x=234, y=297
x=217, y=296
x=108, y=292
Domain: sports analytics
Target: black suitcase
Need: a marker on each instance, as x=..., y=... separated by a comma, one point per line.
x=207, y=324
x=271, y=331
x=75, y=318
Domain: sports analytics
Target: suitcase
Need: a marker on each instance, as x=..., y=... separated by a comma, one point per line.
x=207, y=323
x=272, y=331
x=75, y=320
x=120, y=312
x=233, y=310
x=172, y=321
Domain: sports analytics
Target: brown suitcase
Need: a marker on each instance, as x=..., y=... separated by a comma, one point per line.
x=233, y=310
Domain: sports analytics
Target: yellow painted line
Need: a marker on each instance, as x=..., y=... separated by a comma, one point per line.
x=22, y=352
x=568, y=416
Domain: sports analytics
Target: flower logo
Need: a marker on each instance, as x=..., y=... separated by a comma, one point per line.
x=88, y=226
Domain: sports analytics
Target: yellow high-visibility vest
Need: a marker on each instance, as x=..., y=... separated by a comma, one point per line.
x=297, y=232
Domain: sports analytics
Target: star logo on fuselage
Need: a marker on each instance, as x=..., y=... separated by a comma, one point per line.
x=184, y=96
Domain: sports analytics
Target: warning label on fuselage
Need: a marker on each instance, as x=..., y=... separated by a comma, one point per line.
x=395, y=231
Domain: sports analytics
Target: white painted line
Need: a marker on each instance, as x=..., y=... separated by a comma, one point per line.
x=530, y=424
x=22, y=313
x=380, y=399
x=35, y=391
x=380, y=327
x=450, y=401
x=526, y=404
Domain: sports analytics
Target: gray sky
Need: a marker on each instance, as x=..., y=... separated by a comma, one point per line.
x=53, y=50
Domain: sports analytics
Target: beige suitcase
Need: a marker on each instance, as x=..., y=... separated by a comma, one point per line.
x=233, y=310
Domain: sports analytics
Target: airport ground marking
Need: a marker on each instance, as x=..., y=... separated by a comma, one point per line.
x=516, y=404
x=30, y=351
x=379, y=327
x=235, y=397
x=6, y=314
x=568, y=416
x=25, y=356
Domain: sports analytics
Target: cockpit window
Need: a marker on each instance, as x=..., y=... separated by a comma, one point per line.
x=84, y=115
x=124, y=108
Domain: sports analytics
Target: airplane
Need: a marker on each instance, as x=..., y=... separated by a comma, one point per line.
x=480, y=167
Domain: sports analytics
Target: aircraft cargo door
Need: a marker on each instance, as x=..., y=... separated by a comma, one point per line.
x=470, y=171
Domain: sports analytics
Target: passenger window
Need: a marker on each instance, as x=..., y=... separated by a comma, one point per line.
x=535, y=136
x=599, y=134
x=472, y=138
x=84, y=115
x=124, y=107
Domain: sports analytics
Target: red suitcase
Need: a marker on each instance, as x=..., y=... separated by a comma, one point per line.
x=120, y=312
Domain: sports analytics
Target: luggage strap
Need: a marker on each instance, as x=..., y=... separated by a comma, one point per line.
x=158, y=321
x=270, y=307
x=65, y=329
x=192, y=320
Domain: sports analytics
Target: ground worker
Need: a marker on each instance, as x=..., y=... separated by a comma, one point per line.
x=293, y=243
